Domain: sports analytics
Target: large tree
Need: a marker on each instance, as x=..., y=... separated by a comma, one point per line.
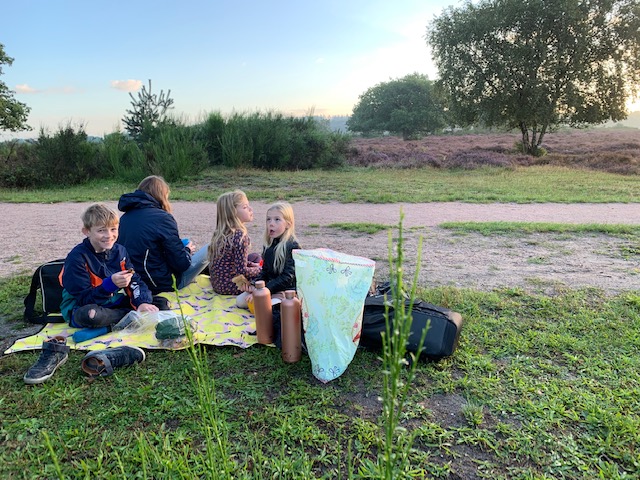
x=535, y=64
x=13, y=114
x=406, y=106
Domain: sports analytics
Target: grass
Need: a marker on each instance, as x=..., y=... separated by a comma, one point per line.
x=504, y=228
x=539, y=388
x=363, y=185
x=368, y=228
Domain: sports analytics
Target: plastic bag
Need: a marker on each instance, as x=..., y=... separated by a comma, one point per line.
x=332, y=287
x=145, y=322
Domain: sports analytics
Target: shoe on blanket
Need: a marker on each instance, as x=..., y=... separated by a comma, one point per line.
x=103, y=362
x=55, y=352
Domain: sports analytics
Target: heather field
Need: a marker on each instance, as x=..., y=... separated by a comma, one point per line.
x=608, y=150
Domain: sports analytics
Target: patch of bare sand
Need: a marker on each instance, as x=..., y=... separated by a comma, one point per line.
x=35, y=233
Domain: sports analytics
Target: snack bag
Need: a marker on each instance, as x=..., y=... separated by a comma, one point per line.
x=332, y=287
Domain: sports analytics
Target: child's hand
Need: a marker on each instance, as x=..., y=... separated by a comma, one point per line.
x=191, y=246
x=122, y=279
x=253, y=264
x=147, y=307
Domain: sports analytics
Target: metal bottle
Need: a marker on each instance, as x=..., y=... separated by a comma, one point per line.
x=263, y=313
x=290, y=318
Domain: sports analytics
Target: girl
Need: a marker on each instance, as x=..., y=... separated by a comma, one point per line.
x=149, y=232
x=278, y=269
x=229, y=247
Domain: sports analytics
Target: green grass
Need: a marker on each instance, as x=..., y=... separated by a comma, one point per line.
x=502, y=228
x=521, y=185
x=539, y=388
x=368, y=228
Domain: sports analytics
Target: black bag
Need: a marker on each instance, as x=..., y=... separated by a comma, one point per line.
x=46, y=278
x=442, y=336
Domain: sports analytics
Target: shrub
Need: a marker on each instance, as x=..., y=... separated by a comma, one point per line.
x=271, y=141
x=123, y=158
x=20, y=166
x=67, y=158
x=209, y=134
x=173, y=153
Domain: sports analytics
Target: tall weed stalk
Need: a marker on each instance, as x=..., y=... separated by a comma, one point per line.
x=398, y=372
x=217, y=461
x=214, y=426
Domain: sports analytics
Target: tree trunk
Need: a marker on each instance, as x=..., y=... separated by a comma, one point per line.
x=525, y=137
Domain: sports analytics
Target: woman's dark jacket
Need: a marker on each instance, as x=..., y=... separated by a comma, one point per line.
x=151, y=237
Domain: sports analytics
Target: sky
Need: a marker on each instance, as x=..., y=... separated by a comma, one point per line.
x=76, y=61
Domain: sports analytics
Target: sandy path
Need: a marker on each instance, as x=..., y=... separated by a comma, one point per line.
x=35, y=233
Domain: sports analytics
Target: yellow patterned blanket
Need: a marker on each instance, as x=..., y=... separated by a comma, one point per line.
x=216, y=318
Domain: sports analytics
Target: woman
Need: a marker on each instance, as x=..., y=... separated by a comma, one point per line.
x=149, y=232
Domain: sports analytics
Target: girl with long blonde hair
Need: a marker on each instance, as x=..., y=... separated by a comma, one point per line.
x=230, y=244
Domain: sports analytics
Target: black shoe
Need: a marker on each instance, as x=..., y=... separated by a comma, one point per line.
x=54, y=353
x=161, y=302
x=103, y=362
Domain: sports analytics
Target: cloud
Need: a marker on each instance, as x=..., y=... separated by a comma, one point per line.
x=126, y=85
x=66, y=90
x=24, y=88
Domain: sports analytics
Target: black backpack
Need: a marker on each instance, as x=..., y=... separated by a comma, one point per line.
x=46, y=278
x=442, y=336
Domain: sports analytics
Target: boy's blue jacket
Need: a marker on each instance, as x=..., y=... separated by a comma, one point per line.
x=86, y=279
x=151, y=237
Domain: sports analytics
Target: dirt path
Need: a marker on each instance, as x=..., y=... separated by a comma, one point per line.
x=35, y=233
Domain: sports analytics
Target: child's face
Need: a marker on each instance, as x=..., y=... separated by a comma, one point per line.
x=276, y=225
x=102, y=237
x=244, y=211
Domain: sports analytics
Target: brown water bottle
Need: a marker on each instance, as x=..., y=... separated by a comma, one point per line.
x=290, y=318
x=263, y=313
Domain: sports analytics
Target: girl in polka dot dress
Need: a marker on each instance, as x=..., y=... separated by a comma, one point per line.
x=230, y=244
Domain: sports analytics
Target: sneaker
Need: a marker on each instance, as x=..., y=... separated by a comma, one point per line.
x=54, y=353
x=103, y=362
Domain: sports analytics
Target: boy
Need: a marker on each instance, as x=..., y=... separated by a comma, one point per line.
x=94, y=273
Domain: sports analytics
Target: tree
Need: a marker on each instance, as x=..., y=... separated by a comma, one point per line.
x=533, y=65
x=148, y=110
x=13, y=114
x=406, y=106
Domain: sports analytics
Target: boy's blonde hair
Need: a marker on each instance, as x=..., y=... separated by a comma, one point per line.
x=158, y=188
x=227, y=222
x=286, y=210
x=99, y=215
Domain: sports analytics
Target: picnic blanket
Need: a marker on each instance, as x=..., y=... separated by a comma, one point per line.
x=216, y=318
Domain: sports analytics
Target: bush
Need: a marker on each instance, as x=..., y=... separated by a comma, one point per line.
x=209, y=134
x=173, y=152
x=123, y=158
x=68, y=158
x=271, y=141
x=20, y=166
